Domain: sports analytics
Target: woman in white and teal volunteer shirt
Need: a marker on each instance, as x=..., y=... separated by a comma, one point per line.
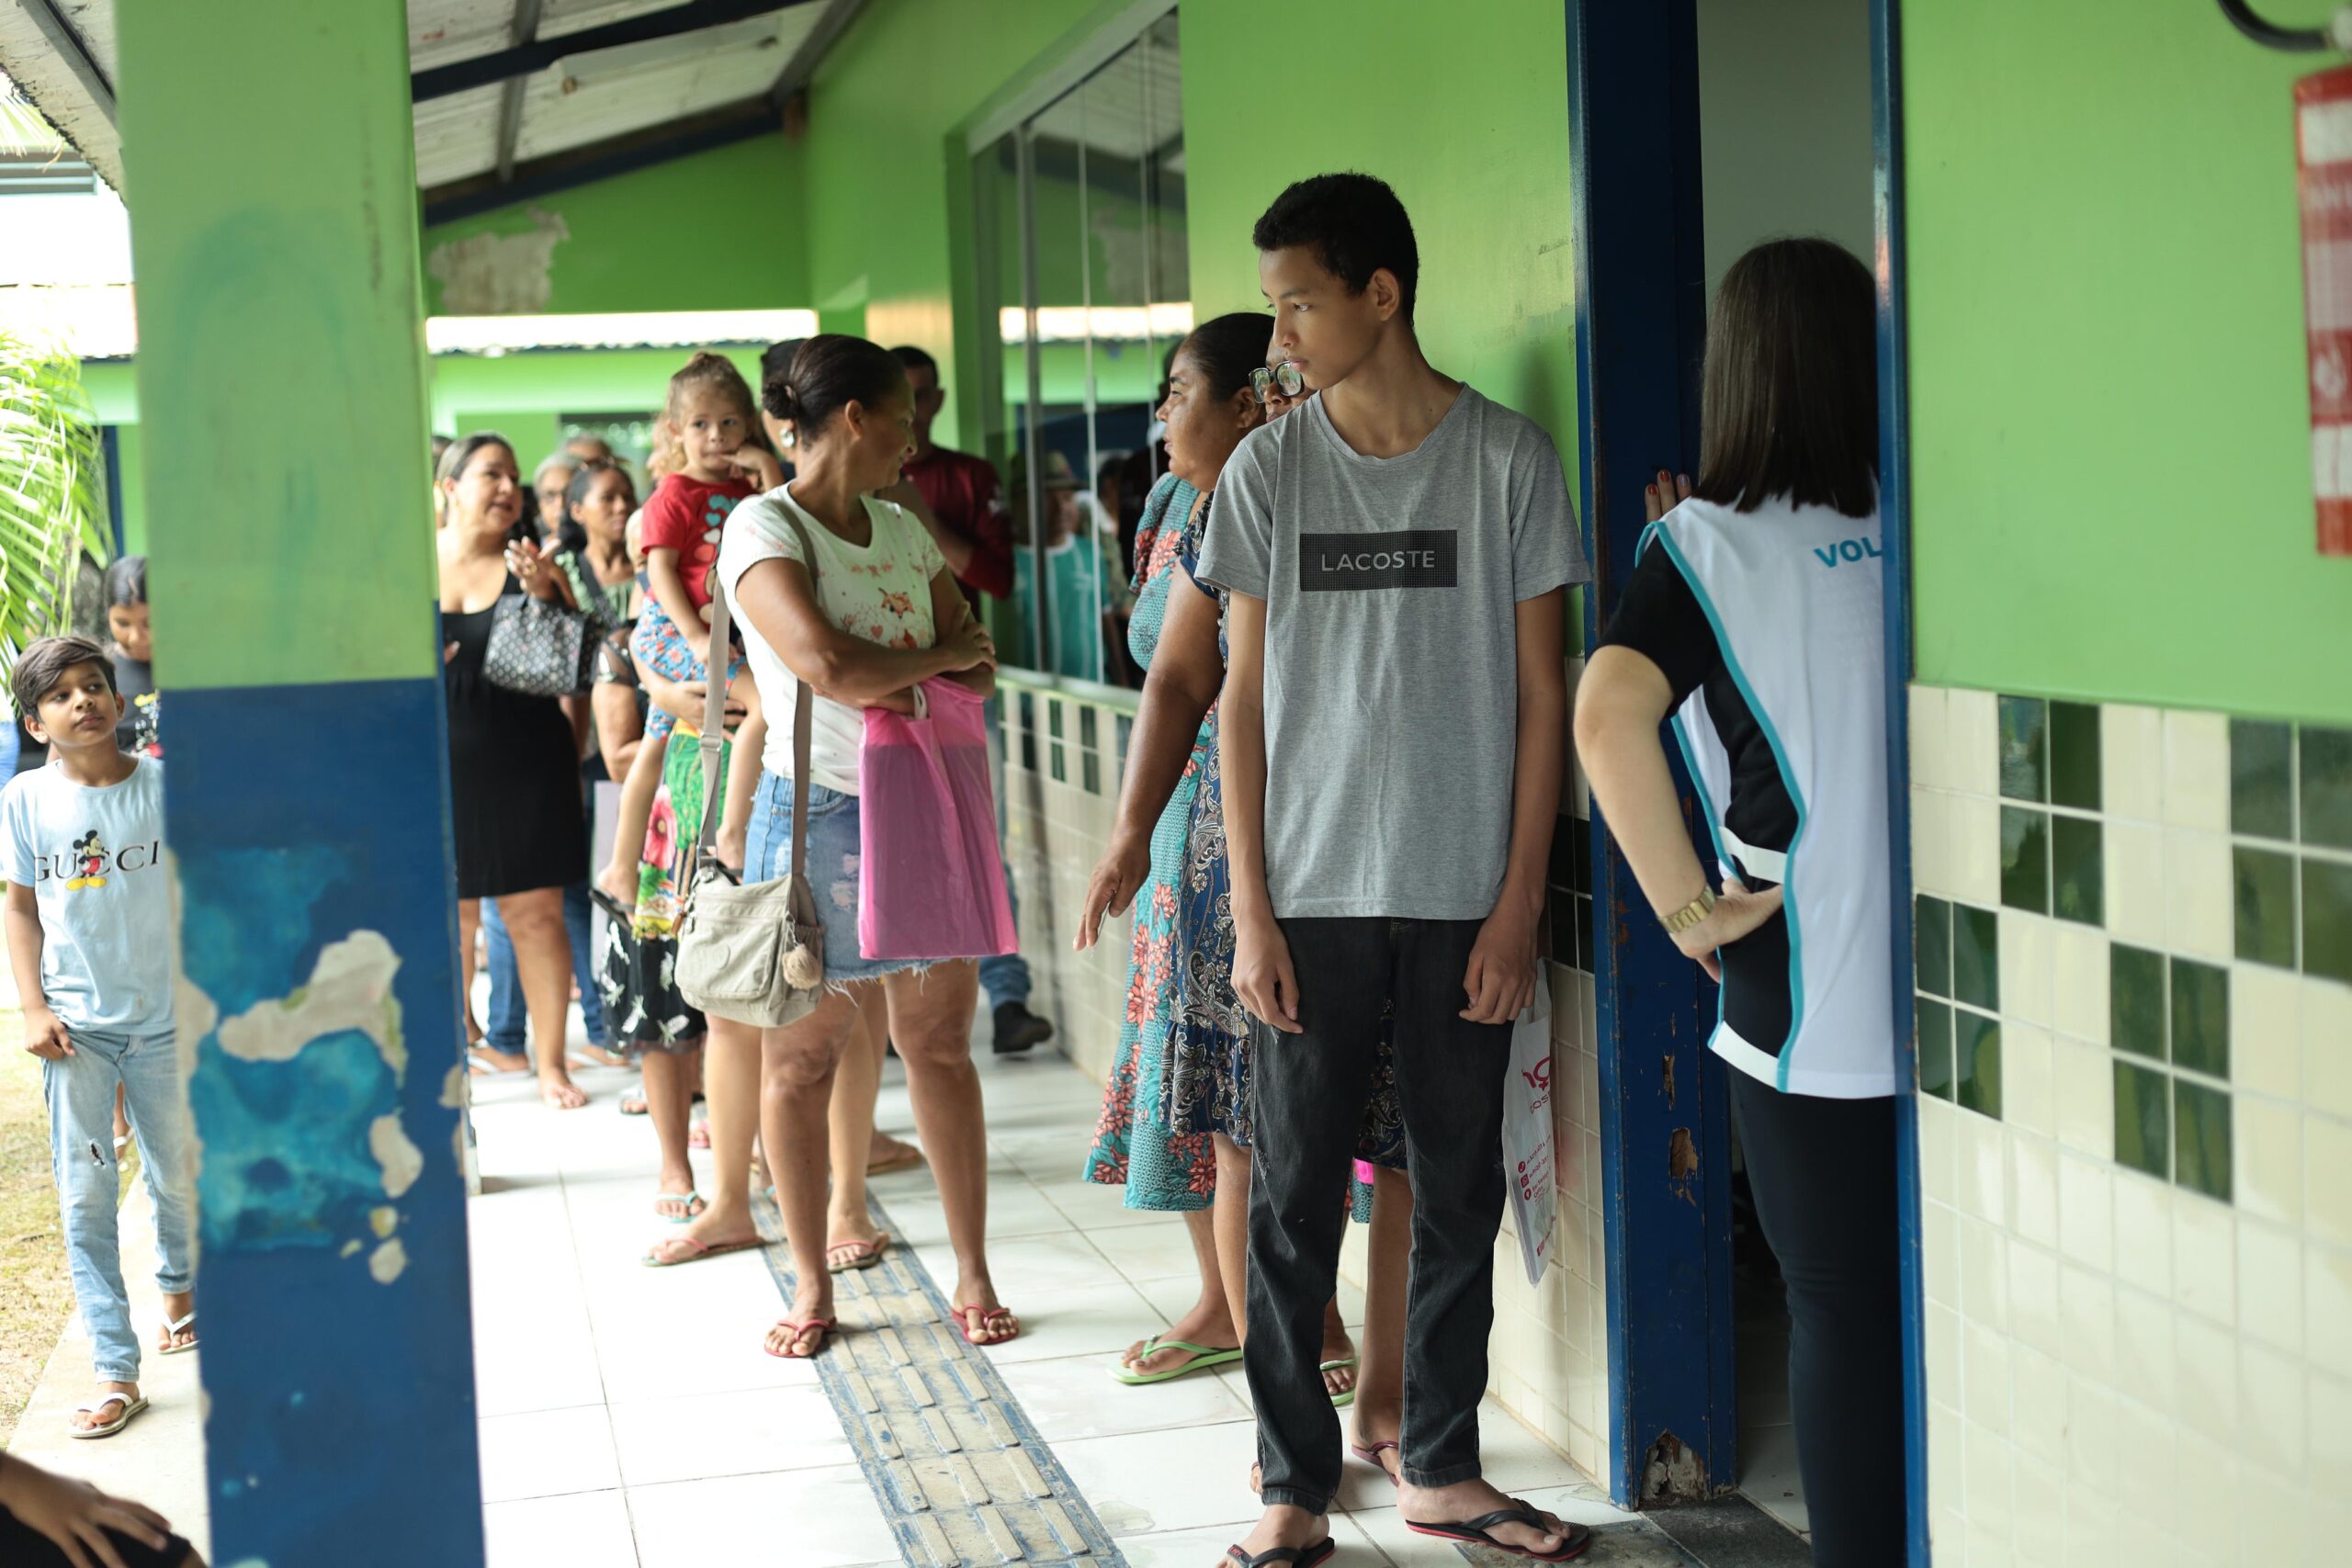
x=1753, y=617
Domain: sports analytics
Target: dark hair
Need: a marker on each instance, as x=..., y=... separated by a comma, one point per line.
x=776, y=359
x=1789, y=401
x=1355, y=226
x=126, y=581
x=462, y=452
x=915, y=359
x=831, y=371
x=46, y=663
x=573, y=534
x=1226, y=349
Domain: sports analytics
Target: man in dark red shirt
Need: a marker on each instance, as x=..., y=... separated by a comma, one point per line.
x=974, y=532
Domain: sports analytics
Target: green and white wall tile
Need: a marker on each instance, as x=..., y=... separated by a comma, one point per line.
x=2133, y=970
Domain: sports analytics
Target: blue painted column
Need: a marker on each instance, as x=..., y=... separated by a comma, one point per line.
x=1665, y=1107
x=272, y=189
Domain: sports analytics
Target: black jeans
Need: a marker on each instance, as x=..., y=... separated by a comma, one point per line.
x=1823, y=1172
x=1308, y=1093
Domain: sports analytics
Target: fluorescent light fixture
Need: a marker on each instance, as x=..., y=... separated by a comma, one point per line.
x=1103, y=324
x=495, y=336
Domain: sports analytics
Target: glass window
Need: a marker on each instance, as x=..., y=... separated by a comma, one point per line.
x=1081, y=235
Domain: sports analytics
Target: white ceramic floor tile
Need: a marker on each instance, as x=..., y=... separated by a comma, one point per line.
x=589, y=1531
x=1159, y=1251
x=1078, y=1397
x=1144, y=1483
x=1100, y=1320
x=701, y=1435
x=548, y=1453
x=810, y=1519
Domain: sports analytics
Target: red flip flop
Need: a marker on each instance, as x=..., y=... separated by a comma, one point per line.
x=825, y=1325
x=989, y=1320
x=1574, y=1538
x=1371, y=1456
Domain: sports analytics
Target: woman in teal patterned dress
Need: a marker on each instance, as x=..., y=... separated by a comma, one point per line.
x=1158, y=1171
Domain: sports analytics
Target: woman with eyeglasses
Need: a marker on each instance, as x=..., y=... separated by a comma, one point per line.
x=1175, y=1124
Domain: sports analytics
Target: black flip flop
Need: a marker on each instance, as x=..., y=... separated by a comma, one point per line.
x=1298, y=1556
x=1574, y=1538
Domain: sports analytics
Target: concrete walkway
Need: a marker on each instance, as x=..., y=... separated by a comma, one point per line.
x=629, y=1420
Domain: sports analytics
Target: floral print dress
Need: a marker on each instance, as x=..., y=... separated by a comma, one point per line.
x=1132, y=1147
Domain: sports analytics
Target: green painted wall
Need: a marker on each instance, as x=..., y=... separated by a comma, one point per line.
x=474, y=386
x=1486, y=181
x=878, y=172
x=2110, y=434
x=298, y=558
x=720, y=231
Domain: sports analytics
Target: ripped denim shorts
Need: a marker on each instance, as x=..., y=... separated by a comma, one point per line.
x=832, y=870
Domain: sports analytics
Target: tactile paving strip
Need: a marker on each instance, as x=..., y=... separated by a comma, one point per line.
x=959, y=1471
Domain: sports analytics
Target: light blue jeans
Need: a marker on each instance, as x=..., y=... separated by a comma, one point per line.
x=89, y=1182
x=503, y=1031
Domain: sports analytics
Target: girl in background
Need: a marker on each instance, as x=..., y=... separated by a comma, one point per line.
x=709, y=432
x=134, y=651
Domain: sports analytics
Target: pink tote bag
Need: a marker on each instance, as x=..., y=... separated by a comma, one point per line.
x=931, y=879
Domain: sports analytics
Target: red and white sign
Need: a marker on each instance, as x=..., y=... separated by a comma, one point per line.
x=2323, y=184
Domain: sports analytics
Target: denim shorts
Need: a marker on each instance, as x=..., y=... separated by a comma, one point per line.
x=832, y=870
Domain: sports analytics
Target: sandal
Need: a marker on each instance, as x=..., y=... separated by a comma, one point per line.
x=861, y=1254
x=690, y=1199
x=1204, y=1356
x=992, y=1319
x=487, y=1061
x=1574, y=1538
x=907, y=1158
x=130, y=1407
x=1299, y=1556
x=1371, y=1456
x=1342, y=1400
x=824, y=1326
x=173, y=1331
x=633, y=1103
x=666, y=1253
x=698, y=1134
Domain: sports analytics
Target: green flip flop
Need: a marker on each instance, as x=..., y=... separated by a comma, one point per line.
x=1203, y=1356
x=1339, y=1401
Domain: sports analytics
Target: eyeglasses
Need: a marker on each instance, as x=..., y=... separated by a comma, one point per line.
x=1286, y=376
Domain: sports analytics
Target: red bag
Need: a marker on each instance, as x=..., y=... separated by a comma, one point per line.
x=931, y=879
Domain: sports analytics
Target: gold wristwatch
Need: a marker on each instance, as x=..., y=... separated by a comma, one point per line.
x=1690, y=914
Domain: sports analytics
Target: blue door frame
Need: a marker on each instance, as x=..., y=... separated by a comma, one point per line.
x=1641, y=284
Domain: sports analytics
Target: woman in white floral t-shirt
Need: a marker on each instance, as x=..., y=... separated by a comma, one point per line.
x=882, y=614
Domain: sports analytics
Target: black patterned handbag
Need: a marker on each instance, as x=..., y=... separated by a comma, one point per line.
x=538, y=647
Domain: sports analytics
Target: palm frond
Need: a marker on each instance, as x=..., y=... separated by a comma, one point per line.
x=49, y=466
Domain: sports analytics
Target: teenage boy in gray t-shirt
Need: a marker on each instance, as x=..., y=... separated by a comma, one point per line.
x=1395, y=707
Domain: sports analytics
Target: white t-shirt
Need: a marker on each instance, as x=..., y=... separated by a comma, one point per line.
x=94, y=858
x=881, y=593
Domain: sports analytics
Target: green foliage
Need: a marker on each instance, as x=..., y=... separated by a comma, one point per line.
x=49, y=464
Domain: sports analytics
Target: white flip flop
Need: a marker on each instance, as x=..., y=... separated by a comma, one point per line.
x=130, y=1407
x=170, y=1332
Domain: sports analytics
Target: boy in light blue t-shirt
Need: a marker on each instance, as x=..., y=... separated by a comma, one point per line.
x=90, y=942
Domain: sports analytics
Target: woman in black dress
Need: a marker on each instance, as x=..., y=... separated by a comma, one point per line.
x=514, y=780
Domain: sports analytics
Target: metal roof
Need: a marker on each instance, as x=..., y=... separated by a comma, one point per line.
x=690, y=74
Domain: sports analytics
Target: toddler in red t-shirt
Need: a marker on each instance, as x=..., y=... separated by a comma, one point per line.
x=710, y=428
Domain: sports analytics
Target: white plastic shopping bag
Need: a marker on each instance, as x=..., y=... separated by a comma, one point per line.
x=1527, y=1131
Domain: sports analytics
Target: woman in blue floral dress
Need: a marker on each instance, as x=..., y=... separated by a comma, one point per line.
x=1159, y=1172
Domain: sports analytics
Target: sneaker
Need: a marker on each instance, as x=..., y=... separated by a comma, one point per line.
x=1018, y=1029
